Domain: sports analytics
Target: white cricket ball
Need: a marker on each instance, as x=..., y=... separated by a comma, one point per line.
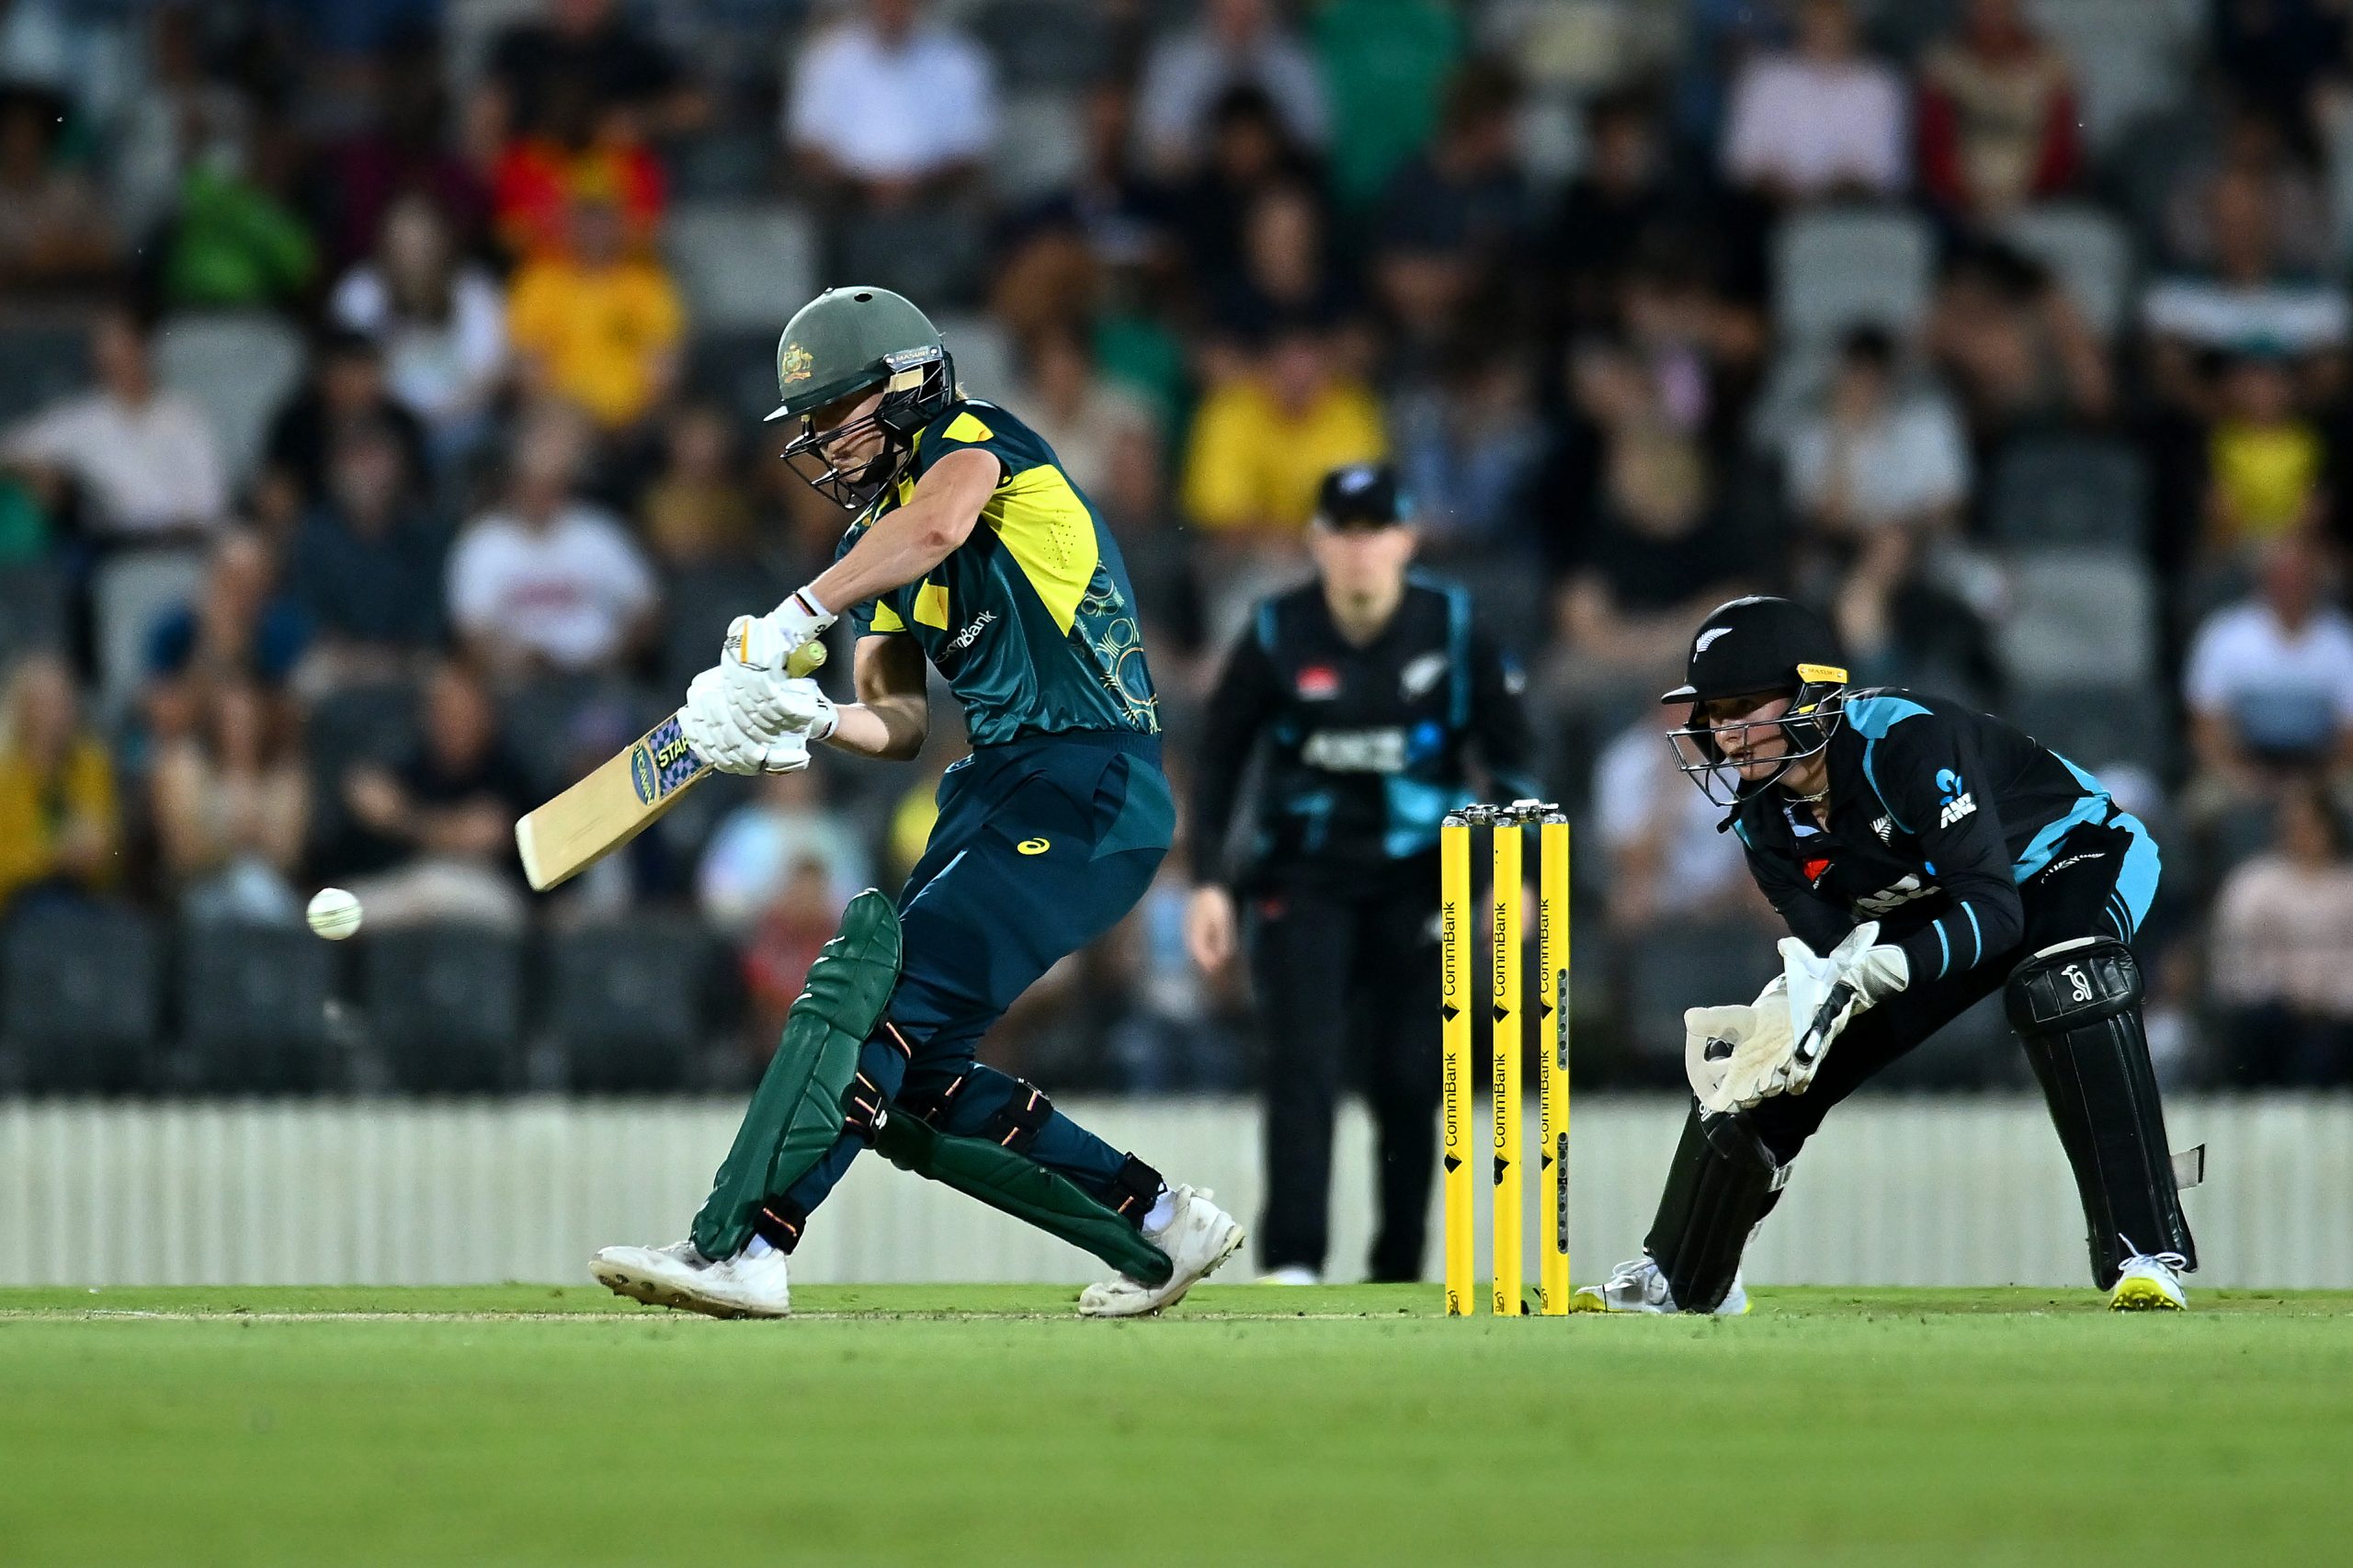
x=333, y=913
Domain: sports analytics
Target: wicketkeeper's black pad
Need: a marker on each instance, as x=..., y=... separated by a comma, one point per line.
x=1722, y=1183
x=2077, y=1007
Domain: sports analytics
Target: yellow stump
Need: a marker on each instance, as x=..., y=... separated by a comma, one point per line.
x=1510, y=1233
x=1455, y=1006
x=1553, y=1060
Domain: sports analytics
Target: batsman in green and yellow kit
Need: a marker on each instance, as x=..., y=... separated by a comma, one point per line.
x=970, y=549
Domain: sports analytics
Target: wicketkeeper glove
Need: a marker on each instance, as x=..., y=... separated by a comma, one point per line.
x=1827, y=993
x=1728, y=1052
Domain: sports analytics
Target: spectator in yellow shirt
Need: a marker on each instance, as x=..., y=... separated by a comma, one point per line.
x=59, y=827
x=597, y=326
x=1264, y=441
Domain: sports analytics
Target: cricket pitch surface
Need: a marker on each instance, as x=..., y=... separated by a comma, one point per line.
x=953, y=1427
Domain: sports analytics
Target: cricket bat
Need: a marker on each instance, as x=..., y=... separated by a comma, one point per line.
x=621, y=799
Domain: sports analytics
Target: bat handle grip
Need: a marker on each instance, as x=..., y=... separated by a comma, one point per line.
x=806, y=659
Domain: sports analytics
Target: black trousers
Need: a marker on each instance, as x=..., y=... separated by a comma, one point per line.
x=2093, y=888
x=1345, y=988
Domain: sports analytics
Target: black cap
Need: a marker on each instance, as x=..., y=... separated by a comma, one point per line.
x=1361, y=496
x=1756, y=645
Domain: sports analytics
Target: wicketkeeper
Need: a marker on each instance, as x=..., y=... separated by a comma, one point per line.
x=969, y=551
x=1923, y=856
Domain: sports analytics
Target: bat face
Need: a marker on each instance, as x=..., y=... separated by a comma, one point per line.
x=621, y=799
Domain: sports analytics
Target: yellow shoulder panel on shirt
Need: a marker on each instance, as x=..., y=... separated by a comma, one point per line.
x=886, y=618
x=1050, y=533
x=931, y=604
x=964, y=428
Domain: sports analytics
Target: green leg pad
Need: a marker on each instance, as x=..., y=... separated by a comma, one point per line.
x=796, y=1113
x=1023, y=1189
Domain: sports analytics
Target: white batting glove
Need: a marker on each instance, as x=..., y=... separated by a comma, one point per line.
x=807, y=710
x=712, y=729
x=755, y=655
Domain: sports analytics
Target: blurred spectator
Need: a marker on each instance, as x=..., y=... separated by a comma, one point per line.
x=1084, y=418
x=142, y=459
x=1385, y=64
x=2282, y=184
x=231, y=805
x=1824, y=118
x=2269, y=680
x=2276, y=52
x=586, y=150
x=1666, y=859
x=440, y=323
x=1451, y=214
x=1120, y=214
x=402, y=156
x=344, y=392
x=1262, y=441
x=2267, y=459
x=890, y=105
x=1641, y=555
x=1878, y=477
x=178, y=114
x=546, y=580
x=366, y=566
x=756, y=855
x=2015, y=347
x=435, y=830
x=1249, y=153
x=60, y=830
x=698, y=511
x=586, y=52
x=2251, y=300
x=235, y=240
x=239, y=631
x=1286, y=272
x=1701, y=352
x=1187, y=73
x=598, y=326
x=2281, y=951
x=53, y=232
x=1134, y=501
x=1998, y=115
x=1619, y=194
x=1467, y=437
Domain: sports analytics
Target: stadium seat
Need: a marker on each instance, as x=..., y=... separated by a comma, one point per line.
x=78, y=998
x=2069, y=490
x=32, y=610
x=2078, y=617
x=742, y=265
x=1045, y=44
x=1041, y=144
x=2097, y=727
x=2088, y=252
x=128, y=593
x=1840, y=267
x=933, y=253
x=624, y=1003
x=252, y=1006
x=238, y=368
x=2128, y=56
x=40, y=362
x=445, y=1007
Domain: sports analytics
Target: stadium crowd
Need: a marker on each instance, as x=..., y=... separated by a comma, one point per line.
x=379, y=387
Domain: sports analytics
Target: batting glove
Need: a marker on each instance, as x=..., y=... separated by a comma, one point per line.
x=712, y=729
x=754, y=660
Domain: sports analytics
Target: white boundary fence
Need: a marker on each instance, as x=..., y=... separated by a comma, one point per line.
x=1893, y=1191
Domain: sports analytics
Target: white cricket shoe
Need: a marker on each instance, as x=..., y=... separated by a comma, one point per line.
x=2151, y=1283
x=679, y=1276
x=1640, y=1286
x=1199, y=1236
x=1290, y=1274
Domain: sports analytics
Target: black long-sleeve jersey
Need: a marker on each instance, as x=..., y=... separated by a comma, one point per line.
x=1930, y=802
x=1366, y=747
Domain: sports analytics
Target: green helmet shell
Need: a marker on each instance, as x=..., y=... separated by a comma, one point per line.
x=845, y=341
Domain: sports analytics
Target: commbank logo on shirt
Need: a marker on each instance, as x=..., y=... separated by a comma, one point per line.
x=972, y=633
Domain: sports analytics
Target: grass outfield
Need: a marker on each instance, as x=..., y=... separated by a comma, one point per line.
x=953, y=1427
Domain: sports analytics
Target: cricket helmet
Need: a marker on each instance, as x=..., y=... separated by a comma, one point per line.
x=1760, y=647
x=845, y=343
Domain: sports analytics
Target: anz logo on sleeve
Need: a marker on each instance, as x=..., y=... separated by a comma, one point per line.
x=1953, y=802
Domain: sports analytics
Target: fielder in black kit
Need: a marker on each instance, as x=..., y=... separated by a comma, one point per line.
x=1924, y=857
x=1366, y=690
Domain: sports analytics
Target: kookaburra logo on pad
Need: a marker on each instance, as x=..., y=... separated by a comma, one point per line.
x=2079, y=984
